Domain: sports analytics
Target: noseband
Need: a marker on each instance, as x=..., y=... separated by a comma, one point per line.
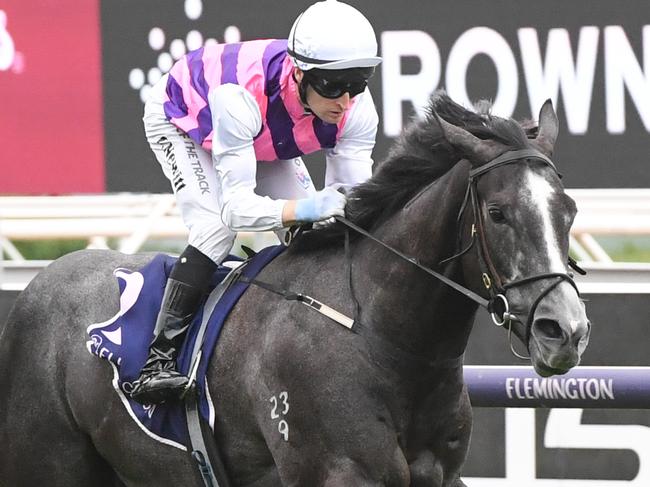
x=493, y=283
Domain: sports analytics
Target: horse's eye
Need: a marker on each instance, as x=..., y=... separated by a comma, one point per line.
x=497, y=215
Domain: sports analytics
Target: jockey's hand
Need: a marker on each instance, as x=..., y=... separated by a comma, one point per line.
x=320, y=206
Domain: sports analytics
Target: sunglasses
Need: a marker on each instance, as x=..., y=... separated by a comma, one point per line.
x=335, y=83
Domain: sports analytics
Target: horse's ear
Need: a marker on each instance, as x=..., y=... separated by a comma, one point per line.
x=548, y=128
x=476, y=150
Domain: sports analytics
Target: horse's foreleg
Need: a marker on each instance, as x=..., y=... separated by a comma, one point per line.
x=270, y=479
x=426, y=470
x=346, y=472
x=341, y=479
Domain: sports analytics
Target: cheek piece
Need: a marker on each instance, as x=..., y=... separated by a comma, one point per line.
x=302, y=93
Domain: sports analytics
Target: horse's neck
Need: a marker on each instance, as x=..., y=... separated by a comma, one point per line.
x=402, y=303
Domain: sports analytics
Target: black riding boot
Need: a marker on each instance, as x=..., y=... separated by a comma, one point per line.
x=159, y=380
x=188, y=281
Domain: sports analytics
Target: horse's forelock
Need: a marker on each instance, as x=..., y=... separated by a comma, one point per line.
x=480, y=123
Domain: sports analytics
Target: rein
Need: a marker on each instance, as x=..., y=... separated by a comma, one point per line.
x=354, y=324
x=461, y=289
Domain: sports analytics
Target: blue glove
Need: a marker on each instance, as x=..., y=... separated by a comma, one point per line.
x=320, y=206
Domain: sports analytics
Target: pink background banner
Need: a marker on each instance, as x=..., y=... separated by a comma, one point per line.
x=51, y=128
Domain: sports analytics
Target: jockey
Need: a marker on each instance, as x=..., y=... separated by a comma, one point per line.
x=228, y=125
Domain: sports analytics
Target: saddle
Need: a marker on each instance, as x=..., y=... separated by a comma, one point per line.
x=124, y=339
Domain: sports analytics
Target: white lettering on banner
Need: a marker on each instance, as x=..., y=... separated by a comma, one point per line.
x=565, y=430
x=7, y=50
x=559, y=388
x=622, y=70
x=482, y=40
x=398, y=87
x=559, y=72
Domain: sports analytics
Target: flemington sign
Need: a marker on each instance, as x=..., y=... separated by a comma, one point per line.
x=542, y=388
x=587, y=428
x=583, y=387
x=520, y=389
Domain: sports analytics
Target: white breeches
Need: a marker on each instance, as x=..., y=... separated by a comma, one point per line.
x=189, y=168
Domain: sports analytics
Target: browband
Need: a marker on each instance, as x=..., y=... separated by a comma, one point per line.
x=510, y=157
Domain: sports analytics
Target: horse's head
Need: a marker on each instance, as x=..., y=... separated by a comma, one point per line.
x=519, y=217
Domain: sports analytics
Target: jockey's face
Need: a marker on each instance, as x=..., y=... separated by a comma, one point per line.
x=330, y=110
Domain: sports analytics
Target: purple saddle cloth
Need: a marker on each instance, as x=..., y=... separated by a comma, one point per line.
x=124, y=340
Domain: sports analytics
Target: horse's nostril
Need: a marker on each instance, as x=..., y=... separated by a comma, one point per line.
x=582, y=337
x=548, y=328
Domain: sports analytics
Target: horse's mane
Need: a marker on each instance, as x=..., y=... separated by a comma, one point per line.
x=419, y=156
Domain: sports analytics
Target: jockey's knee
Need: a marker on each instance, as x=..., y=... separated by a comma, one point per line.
x=213, y=239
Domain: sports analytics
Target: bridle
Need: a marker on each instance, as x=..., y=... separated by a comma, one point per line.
x=497, y=289
x=495, y=286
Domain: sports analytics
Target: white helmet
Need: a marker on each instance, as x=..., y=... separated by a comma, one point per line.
x=332, y=35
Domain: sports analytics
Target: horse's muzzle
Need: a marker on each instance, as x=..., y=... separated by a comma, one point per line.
x=557, y=345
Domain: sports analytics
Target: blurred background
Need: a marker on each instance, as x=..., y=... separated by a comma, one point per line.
x=76, y=170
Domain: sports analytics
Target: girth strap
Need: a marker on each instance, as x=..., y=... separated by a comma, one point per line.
x=204, y=450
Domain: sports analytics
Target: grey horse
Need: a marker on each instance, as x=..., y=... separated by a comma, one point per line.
x=301, y=400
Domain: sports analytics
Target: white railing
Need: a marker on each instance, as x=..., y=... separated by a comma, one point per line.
x=130, y=218
x=133, y=219
x=601, y=212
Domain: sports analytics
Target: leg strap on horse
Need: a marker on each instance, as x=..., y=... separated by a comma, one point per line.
x=203, y=447
x=204, y=453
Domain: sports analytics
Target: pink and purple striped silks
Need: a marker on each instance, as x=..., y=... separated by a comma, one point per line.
x=263, y=68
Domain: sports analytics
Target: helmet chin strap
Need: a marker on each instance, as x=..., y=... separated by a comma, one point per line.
x=302, y=93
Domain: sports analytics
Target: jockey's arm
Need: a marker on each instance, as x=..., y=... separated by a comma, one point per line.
x=350, y=161
x=237, y=119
